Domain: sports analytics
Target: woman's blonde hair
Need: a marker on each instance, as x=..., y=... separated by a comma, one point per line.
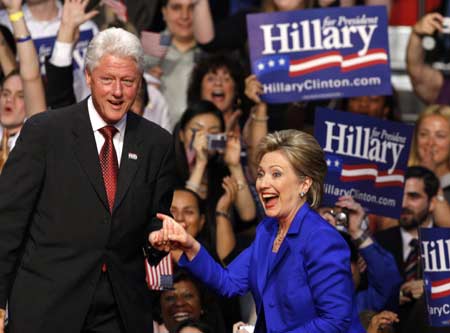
x=305, y=155
x=437, y=110
x=268, y=5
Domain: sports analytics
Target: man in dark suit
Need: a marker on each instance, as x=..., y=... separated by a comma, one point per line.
x=77, y=200
x=419, y=201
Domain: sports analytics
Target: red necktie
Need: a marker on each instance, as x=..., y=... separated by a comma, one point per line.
x=108, y=162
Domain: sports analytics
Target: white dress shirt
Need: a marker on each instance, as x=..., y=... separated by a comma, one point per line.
x=97, y=123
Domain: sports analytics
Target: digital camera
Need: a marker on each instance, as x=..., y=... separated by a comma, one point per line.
x=217, y=141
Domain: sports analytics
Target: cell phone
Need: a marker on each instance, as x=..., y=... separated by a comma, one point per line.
x=217, y=141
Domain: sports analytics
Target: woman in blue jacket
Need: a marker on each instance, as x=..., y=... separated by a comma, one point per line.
x=298, y=267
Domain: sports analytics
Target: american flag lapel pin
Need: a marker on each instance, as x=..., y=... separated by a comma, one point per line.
x=132, y=156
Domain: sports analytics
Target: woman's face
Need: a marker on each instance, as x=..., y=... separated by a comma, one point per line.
x=284, y=5
x=184, y=209
x=12, y=104
x=279, y=186
x=218, y=87
x=433, y=139
x=207, y=123
x=180, y=304
x=178, y=17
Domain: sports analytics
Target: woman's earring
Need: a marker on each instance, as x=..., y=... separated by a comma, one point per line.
x=302, y=194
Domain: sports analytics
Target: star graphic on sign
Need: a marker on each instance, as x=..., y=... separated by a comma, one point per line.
x=281, y=61
x=271, y=63
x=260, y=66
x=328, y=162
x=336, y=163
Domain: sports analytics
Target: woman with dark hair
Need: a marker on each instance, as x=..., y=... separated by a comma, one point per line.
x=187, y=301
x=204, y=169
x=218, y=78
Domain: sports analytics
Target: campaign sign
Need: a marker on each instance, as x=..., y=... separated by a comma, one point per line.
x=366, y=158
x=435, y=254
x=44, y=47
x=320, y=53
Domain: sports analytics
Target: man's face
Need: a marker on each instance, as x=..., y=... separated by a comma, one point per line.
x=373, y=106
x=178, y=17
x=12, y=104
x=114, y=84
x=416, y=204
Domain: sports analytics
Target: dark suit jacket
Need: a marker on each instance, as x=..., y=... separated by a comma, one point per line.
x=54, y=211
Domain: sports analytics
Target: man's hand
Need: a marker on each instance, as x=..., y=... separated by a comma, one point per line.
x=411, y=290
x=2, y=320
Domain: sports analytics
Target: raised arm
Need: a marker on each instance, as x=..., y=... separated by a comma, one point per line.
x=202, y=22
x=256, y=126
x=28, y=59
x=427, y=81
x=7, y=61
x=244, y=202
x=225, y=238
x=59, y=67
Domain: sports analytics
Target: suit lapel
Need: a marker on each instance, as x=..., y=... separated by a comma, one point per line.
x=294, y=230
x=85, y=150
x=131, y=157
x=263, y=260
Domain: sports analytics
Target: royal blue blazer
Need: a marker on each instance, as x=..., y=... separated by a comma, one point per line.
x=306, y=287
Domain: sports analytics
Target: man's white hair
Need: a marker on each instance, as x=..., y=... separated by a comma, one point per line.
x=117, y=42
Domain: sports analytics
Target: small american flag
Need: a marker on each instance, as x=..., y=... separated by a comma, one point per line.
x=119, y=8
x=155, y=44
x=160, y=277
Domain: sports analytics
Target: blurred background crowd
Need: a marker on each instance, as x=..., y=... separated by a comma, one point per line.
x=198, y=86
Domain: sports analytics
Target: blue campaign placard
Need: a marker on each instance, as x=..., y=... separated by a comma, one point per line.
x=366, y=157
x=435, y=254
x=320, y=53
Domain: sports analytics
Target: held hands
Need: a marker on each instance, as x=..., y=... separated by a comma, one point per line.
x=428, y=24
x=173, y=236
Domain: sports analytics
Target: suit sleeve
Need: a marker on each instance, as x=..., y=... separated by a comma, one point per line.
x=230, y=281
x=59, y=85
x=327, y=261
x=162, y=197
x=20, y=185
